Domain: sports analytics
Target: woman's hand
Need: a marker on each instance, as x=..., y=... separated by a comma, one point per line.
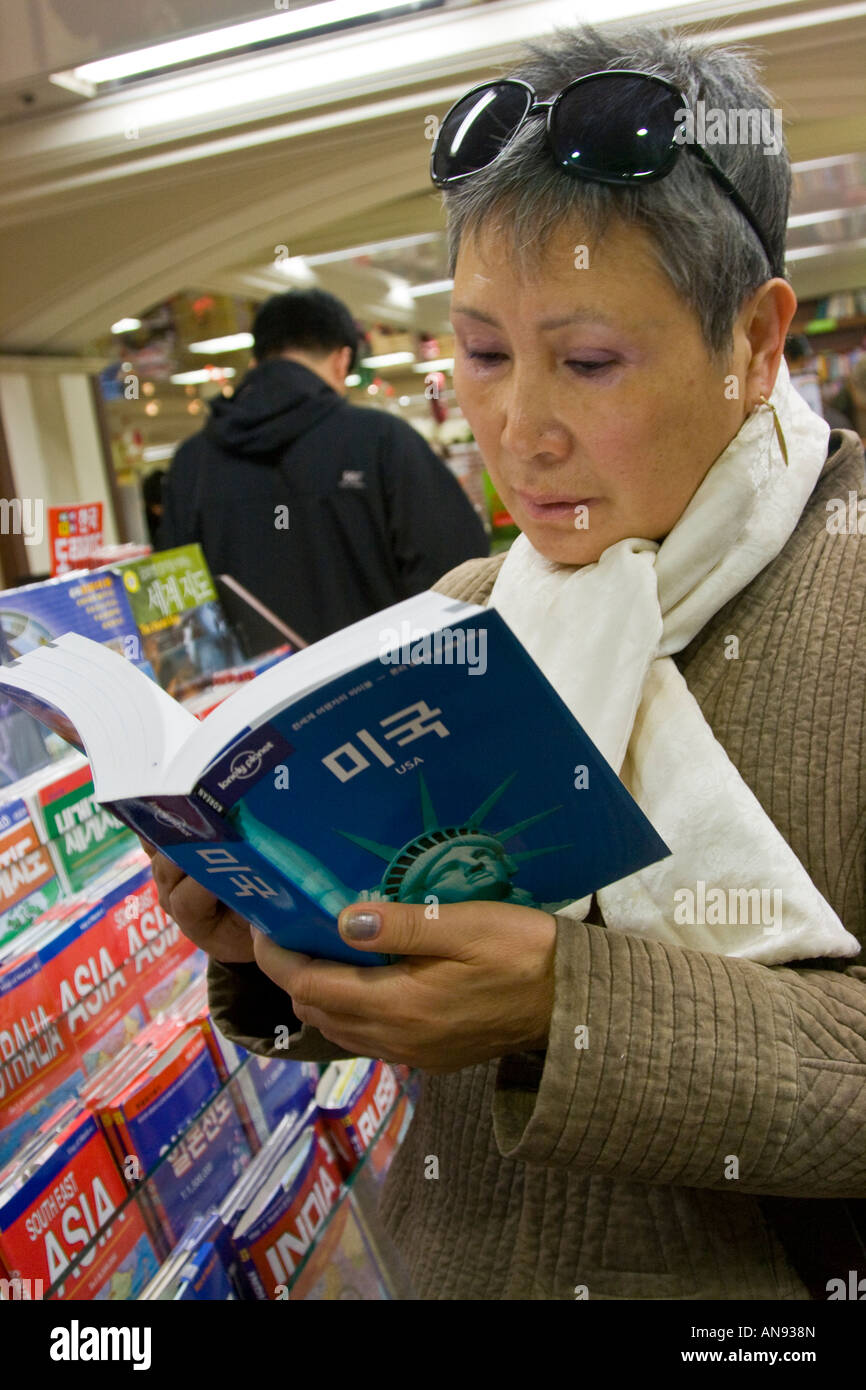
x=217, y=929
x=474, y=983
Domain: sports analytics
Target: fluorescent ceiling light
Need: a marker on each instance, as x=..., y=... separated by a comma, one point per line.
x=126, y=325
x=201, y=374
x=399, y=295
x=784, y=24
x=232, y=343
x=296, y=268
x=806, y=219
x=825, y=162
x=441, y=364
x=432, y=287
x=234, y=36
x=388, y=359
x=353, y=379
x=371, y=247
x=829, y=248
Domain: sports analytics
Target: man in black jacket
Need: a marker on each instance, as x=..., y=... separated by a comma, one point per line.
x=325, y=511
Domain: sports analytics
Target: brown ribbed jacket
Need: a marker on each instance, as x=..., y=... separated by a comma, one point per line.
x=606, y=1167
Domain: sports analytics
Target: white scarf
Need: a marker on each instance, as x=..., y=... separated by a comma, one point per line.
x=603, y=634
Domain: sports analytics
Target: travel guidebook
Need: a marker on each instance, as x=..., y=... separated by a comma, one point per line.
x=146, y=1112
x=83, y=984
x=176, y=609
x=281, y=1222
x=353, y=1098
x=70, y=1192
x=417, y=756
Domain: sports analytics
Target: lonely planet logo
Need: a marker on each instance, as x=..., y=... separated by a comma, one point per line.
x=245, y=765
x=166, y=817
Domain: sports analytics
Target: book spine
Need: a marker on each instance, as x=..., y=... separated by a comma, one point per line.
x=251, y=1275
x=166, y=821
x=60, y=867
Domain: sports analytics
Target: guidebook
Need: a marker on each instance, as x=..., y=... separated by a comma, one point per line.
x=417, y=756
x=353, y=1098
x=177, y=612
x=280, y=1224
x=71, y=1194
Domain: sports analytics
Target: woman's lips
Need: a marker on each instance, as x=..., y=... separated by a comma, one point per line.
x=553, y=508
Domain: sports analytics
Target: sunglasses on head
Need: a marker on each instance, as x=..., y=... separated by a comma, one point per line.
x=615, y=127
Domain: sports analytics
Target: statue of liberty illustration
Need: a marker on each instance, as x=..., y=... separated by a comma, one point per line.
x=442, y=863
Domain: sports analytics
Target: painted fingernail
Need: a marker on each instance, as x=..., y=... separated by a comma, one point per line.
x=361, y=926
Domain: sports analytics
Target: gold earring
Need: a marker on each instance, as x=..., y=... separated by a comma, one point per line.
x=764, y=404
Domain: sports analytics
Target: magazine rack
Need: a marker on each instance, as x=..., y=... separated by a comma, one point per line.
x=351, y=1256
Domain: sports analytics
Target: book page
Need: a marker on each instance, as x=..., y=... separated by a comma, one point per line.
x=129, y=727
x=305, y=671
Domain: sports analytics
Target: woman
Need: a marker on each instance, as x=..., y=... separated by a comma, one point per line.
x=611, y=1094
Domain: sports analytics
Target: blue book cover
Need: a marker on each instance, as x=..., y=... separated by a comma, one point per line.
x=202, y=1164
x=93, y=603
x=416, y=776
x=23, y=740
x=204, y=1277
x=274, y=1086
x=195, y=1268
x=418, y=783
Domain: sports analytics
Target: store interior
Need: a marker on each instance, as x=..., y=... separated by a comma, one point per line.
x=164, y=169
x=152, y=199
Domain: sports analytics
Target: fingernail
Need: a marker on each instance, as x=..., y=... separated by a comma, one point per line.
x=361, y=926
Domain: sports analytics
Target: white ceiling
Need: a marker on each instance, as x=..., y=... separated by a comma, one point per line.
x=112, y=203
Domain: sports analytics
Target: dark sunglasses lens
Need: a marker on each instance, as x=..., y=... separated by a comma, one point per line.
x=475, y=130
x=616, y=127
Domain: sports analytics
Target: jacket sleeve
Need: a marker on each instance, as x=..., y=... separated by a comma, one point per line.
x=690, y=1060
x=248, y=1009
x=179, y=524
x=433, y=525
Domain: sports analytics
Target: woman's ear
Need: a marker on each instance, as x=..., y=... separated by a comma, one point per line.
x=764, y=320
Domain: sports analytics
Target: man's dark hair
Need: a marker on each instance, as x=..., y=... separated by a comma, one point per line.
x=798, y=348
x=308, y=320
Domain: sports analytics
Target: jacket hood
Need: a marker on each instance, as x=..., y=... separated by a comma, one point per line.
x=274, y=405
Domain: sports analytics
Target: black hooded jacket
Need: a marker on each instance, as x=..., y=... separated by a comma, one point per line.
x=373, y=515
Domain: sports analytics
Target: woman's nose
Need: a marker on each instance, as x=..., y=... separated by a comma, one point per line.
x=531, y=426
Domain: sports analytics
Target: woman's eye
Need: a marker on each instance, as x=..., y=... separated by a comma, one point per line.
x=591, y=367
x=594, y=367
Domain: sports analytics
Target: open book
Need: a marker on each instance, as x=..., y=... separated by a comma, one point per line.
x=418, y=755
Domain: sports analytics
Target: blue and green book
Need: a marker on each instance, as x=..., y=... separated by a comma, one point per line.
x=417, y=756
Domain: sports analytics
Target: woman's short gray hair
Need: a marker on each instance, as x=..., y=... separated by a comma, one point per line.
x=703, y=243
